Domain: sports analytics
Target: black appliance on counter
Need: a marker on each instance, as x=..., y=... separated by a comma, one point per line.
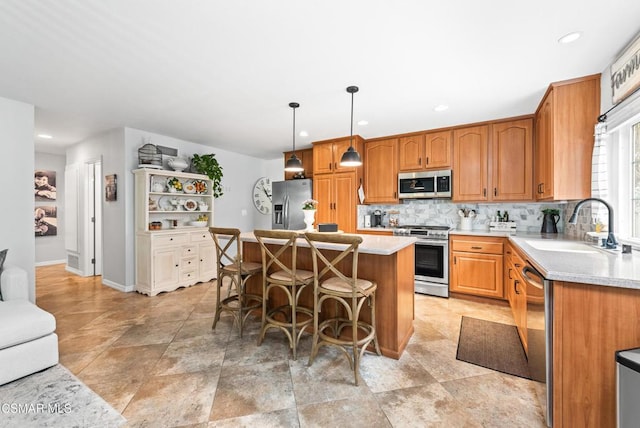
x=431, y=258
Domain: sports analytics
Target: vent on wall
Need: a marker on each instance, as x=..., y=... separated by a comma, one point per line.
x=73, y=261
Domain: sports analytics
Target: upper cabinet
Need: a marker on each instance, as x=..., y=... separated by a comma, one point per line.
x=327, y=154
x=493, y=162
x=306, y=157
x=381, y=171
x=564, y=139
x=425, y=151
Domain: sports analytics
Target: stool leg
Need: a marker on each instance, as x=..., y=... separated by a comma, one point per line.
x=373, y=322
x=354, y=333
x=216, y=317
x=314, y=341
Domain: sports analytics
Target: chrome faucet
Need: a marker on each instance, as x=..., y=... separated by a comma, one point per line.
x=611, y=242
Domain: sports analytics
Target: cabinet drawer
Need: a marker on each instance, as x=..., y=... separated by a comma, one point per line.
x=200, y=236
x=188, y=275
x=189, y=250
x=188, y=263
x=477, y=246
x=173, y=239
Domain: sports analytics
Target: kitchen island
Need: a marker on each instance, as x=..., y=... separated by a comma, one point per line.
x=387, y=260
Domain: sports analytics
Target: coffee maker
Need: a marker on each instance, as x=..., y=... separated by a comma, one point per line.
x=376, y=218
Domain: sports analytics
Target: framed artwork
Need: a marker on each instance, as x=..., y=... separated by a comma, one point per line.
x=111, y=187
x=46, y=220
x=45, y=185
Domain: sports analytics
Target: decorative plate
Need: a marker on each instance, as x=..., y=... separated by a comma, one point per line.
x=174, y=184
x=201, y=186
x=189, y=187
x=190, y=205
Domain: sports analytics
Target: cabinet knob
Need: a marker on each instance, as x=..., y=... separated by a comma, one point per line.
x=495, y=191
x=419, y=161
x=170, y=239
x=515, y=286
x=476, y=248
x=176, y=265
x=510, y=270
x=484, y=192
x=427, y=162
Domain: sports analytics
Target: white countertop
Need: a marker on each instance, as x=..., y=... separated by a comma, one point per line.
x=371, y=244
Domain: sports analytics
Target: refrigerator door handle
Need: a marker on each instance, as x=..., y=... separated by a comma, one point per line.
x=286, y=212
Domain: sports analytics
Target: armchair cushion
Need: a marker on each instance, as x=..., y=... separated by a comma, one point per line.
x=21, y=321
x=14, y=284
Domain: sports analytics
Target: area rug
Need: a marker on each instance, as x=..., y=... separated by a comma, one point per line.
x=492, y=345
x=54, y=398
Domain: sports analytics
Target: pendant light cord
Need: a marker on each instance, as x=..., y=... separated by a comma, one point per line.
x=294, y=130
x=351, y=139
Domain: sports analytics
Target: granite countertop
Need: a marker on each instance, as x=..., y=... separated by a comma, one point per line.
x=591, y=266
x=371, y=244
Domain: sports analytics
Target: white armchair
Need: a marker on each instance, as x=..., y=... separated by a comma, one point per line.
x=28, y=342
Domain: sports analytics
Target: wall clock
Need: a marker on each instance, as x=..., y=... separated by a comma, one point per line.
x=262, y=195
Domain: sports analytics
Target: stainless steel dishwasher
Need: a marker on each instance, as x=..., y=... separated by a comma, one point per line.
x=540, y=336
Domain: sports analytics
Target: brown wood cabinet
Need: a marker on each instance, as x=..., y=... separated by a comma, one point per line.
x=470, y=163
x=515, y=290
x=425, y=151
x=493, y=162
x=564, y=139
x=590, y=323
x=306, y=157
x=335, y=187
x=381, y=171
x=476, y=265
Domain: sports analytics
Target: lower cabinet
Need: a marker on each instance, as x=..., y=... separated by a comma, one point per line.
x=476, y=266
x=516, y=291
x=166, y=261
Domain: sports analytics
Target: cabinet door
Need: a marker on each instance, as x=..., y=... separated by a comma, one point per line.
x=207, y=258
x=438, y=150
x=380, y=171
x=512, y=160
x=323, y=158
x=346, y=201
x=306, y=157
x=324, y=194
x=411, y=153
x=544, y=150
x=165, y=267
x=470, y=150
x=477, y=274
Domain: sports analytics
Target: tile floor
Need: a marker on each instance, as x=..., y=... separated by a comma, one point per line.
x=157, y=361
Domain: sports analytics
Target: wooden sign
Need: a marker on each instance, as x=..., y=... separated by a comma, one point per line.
x=625, y=72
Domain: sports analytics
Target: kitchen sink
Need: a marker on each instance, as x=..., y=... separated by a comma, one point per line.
x=562, y=246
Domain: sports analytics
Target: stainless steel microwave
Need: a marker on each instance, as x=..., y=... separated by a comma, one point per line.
x=424, y=184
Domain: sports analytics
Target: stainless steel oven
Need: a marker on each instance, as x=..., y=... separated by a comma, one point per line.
x=431, y=258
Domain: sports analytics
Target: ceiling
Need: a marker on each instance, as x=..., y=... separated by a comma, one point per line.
x=222, y=73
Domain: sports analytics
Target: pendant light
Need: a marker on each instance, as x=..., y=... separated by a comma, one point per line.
x=293, y=163
x=351, y=156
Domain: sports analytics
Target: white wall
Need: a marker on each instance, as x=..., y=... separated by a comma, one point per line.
x=109, y=148
x=50, y=249
x=16, y=193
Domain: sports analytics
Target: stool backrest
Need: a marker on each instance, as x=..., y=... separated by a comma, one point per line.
x=351, y=242
x=224, y=252
x=274, y=255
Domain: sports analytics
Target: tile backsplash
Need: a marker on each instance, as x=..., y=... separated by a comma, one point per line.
x=527, y=215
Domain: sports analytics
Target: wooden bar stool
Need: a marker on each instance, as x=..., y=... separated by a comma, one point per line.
x=279, y=271
x=349, y=293
x=231, y=265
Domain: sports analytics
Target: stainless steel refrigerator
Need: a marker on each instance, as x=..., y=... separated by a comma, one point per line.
x=288, y=197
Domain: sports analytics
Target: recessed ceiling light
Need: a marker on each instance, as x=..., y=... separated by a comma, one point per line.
x=571, y=37
x=45, y=136
x=304, y=134
x=362, y=122
x=441, y=107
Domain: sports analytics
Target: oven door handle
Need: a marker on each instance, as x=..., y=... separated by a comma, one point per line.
x=426, y=243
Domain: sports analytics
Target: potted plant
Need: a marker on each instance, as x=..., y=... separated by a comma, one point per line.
x=208, y=165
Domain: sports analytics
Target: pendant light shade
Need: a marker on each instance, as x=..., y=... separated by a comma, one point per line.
x=293, y=163
x=351, y=156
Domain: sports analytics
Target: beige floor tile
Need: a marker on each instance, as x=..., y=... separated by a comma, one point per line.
x=348, y=412
x=135, y=362
x=438, y=357
x=245, y=351
x=279, y=418
x=149, y=334
x=425, y=406
x=118, y=392
x=199, y=353
x=498, y=399
x=384, y=374
x=258, y=388
x=176, y=400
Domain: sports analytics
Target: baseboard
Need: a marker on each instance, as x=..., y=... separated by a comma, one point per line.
x=51, y=262
x=72, y=270
x=119, y=287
